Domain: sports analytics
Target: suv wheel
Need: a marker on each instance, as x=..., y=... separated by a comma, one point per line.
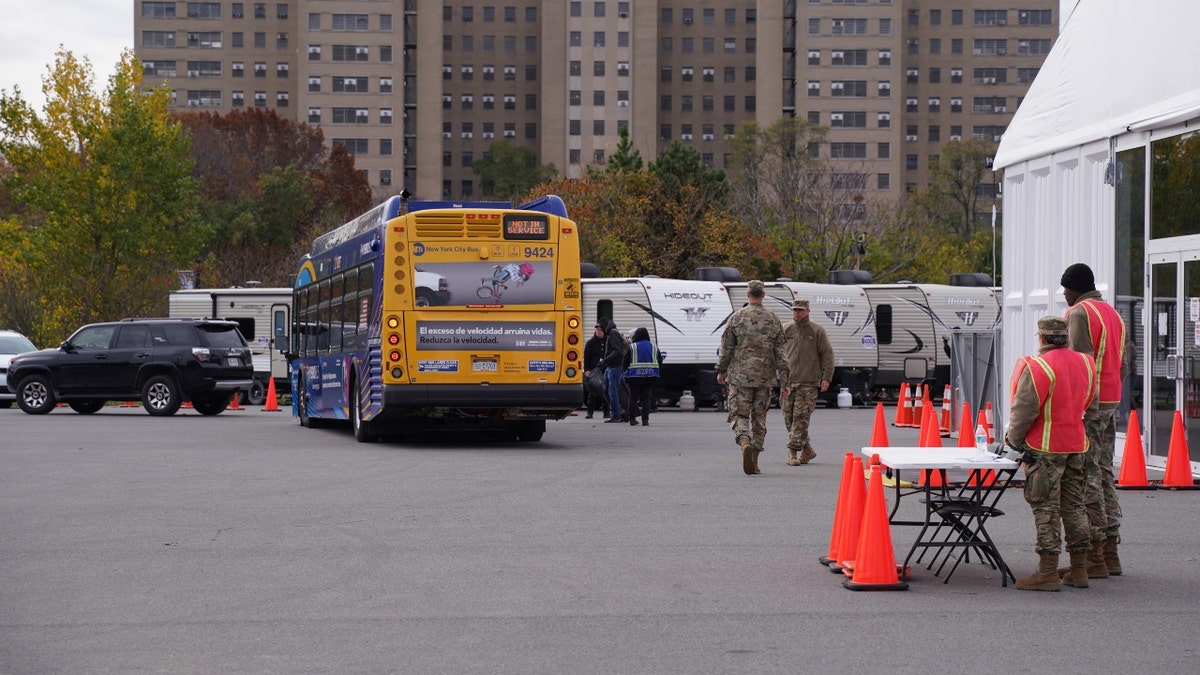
x=35, y=395
x=161, y=396
x=87, y=406
x=211, y=406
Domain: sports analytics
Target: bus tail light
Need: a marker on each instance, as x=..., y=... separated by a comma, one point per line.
x=572, y=355
x=394, y=355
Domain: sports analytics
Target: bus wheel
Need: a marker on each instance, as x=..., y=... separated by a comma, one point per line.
x=360, y=426
x=531, y=431
x=257, y=394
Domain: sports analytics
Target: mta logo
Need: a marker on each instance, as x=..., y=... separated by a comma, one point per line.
x=838, y=317
x=967, y=318
x=694, y=313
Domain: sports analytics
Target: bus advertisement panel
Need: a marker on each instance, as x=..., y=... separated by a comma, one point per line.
x=419, y=315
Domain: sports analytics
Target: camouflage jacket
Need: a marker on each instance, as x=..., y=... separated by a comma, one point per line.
x=752, y=349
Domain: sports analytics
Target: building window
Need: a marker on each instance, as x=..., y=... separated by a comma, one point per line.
x=991, y=17
x=883, y=181
x=1034, y=17
x=910, y=162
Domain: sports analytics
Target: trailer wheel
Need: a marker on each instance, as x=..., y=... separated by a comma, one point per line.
x=256, y=396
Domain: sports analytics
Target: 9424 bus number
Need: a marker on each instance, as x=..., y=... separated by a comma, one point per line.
x=539, y=252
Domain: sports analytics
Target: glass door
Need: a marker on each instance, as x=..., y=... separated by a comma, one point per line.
x=1173, y=352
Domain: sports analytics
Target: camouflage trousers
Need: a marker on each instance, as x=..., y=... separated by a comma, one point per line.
x=748, y=413
x=1100, y=491
x=1054, y=490
x=798, y=408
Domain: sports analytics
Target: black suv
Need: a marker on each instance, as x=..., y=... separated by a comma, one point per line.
x=161, y=362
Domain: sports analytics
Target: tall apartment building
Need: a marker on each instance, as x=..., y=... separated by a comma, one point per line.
x=419, y=89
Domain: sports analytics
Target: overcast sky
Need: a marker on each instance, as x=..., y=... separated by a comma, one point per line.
x=32, y=30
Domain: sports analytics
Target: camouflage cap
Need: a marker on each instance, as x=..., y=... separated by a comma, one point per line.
x=755, y=286
x=799, y=304
x=1052, y=325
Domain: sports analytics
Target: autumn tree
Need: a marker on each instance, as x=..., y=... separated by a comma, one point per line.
x=508, y=170
x=813, y=208
x=269, y=184
x=110, y=198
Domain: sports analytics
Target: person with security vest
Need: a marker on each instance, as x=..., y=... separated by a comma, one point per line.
x=642, y=363
x=1051, y=392
x=1094, y=327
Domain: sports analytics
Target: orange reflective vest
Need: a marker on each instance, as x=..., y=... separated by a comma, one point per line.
x=1108, y=346
x=1065, y=382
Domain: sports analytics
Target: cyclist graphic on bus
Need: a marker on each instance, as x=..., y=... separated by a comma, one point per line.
x=502, y=275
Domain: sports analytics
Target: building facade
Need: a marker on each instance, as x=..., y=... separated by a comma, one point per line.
x=417, y=90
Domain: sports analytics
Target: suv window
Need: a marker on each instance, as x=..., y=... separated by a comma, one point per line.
x=93, y=337
x=221, y=336
x=179, y=334
x=132, y=337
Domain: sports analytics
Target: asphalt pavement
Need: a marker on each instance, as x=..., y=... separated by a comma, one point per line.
x=245, y=543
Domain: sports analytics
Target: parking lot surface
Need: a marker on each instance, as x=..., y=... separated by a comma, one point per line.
x=245, y=543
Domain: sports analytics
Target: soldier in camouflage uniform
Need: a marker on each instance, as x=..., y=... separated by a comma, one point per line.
x=751, y=362
x=810, y=369
x=1095, y=328
x=1050, y=394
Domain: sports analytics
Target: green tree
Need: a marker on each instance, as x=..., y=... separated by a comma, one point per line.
x=954, y=198
x=111, y=199
x=508, y=171
x=626, y=158
x=680, y=165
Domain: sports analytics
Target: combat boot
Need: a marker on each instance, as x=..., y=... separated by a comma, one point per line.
x=1077, y=576
x=754, y=459
x=1096, y=567
x=1111, y=561
x=792, y=461
x=747, y=456
x=807, y=456
x=1046, y=576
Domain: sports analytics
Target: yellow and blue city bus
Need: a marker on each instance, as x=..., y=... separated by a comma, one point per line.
x=419, y=315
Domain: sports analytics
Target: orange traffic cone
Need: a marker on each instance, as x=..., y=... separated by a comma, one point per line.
x=128, y=404
x=990, y=424
x=1178, y=474
x=903, y=408
x=852, y=521
x=233, y=403
x=944, y=425
x=930, y=438
x=983, y=420
x=875, y=561
x=272, y=399
x=918, y=401
x=839, y=511
x=879, y=435
x=1133, y=459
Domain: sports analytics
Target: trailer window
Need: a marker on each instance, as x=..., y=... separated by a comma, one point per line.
x=246, y=326
x=604, y=311
x=883, y=324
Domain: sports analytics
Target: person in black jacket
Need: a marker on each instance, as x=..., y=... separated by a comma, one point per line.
x=593, y=355
x=614, y=359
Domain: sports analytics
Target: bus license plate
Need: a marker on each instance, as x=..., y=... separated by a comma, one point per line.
x=484, y=366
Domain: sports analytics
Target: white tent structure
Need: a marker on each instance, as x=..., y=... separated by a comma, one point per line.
x=1121, y=79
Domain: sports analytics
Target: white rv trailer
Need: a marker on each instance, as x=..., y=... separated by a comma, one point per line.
x=685, y=319
x=261, y=313
x=845, y=314
x=912, y=322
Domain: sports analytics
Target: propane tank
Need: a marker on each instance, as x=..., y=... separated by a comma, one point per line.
x=844, y=398
x=687, y=402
